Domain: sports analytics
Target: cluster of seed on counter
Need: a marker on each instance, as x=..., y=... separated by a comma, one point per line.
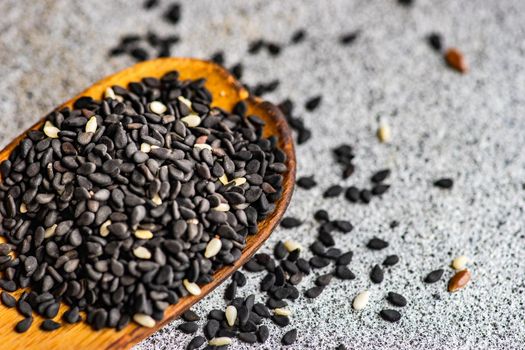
x=120, y=207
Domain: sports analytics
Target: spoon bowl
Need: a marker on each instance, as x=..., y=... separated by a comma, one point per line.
x=226, y=91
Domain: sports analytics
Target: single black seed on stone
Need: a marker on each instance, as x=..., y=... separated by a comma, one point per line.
x=380, y=176
x=263, y=333
x=188, y=327
x=379, y=189
x=313, y=292
x=230, y=292
x=343, y=272
x=173, y=13
x=280, y=251
x=149, y=4
x=139, y=54
x=237, y=70
x=343, y=225
x=321, y=215
x=406, y=2
x=312, y=103
x=281, y=321
x=190, y=316
x=49, y=325
x=345, y=258
x=196, y=343
x=8, y=300
x=365, y=195
x=377, y=244
x=349, y=38
x=298, y=36
x=434, y=276
x=390, y=315
x=289, y=337
x=391, y=260
x=24, y=325
x=323, y=280
x=352, y=194
x=435, y=41
x=333, y=191
x=376, y=275
x=247, y=337
x=274, y=49
x=394, y=224
x=445, y=183
x=290, y=222
x=255, y=46
x=340, y=347
x=239, y=277
x=218, y=57
x=396, y=299
x=306, y=182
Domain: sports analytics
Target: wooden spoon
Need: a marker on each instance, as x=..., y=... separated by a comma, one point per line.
x=226, y=92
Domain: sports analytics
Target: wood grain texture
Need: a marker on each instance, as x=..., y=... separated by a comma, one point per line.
x=226, y=92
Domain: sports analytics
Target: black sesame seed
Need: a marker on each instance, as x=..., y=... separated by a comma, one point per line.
x=377, y=244
x=312, y=103
x=274, y=49
x=24, y=308
x=239, y=277
x=255, y=46
x=318, y=262
x=333, y=191
x=323, y=280
x=343, y=272
x=49, y=325
x=173, y=13
x=434, y=276
x=8, y=300
x=406, y=2
x=352, y=194
x=139, y=54
x=345, y=259
x=341, y=347
x=188, y=327
x=230, y=292
x=247, y=337
x=380, y=176
x=435, y=41
x=313, y=292
x=365, y=195
x=281, y=321
x=445, y=183
x=290, y=222
x=196, y=343
x=343, y=225
x=298, y=36
x=149, y=4
x=24, y=325
x=376, y=275
x=306, y=182
x=390, y=315
x=396, y=299
x=190, y=316
x=237, y=70
x=391, y=260
x=218, y=57
x=289, y=337
x=321, y=215
x=349, y=38
x=263, y=333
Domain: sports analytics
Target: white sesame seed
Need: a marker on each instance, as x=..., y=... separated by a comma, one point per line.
x=222, y=207
x=156, y=199
x=109, y=93
x=220, y=341
x=383, y=133
x=23, y=208
x=202, y=146
x=231, y=315
x=292, y=245
x=50, y=231
x=191, y=287
x=361, y=300
x=242, y=206
x=104, y=231
x=91, y=125
x=142, y=253
x=144, y=320
x=282, y=312
x=460, y=263
x=194, y=221
x=191, y=120
x=145, y=147
x=157, y=107
x=185, y=101
x=239, y=181
x=213, y=247
x=224, y=179
x=50, y=130
x=143, y=234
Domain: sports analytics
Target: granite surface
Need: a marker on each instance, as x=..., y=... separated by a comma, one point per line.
x=469, y=127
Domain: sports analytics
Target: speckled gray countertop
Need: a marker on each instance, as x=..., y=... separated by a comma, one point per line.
x=470, y=127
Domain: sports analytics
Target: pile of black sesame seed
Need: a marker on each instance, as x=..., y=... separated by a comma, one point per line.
x=121, y=206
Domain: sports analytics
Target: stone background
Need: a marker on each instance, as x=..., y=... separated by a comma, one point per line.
x=467, y=127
